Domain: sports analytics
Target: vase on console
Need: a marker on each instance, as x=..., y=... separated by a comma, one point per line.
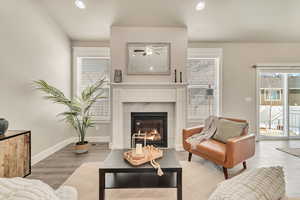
x=3, y=126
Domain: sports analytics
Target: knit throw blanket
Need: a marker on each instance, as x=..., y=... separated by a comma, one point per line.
x=25, y=189
x=210, y=127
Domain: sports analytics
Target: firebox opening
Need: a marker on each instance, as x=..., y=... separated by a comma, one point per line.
x=151, y=126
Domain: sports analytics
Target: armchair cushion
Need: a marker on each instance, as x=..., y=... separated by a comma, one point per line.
x=213, y=149
x=227, y=129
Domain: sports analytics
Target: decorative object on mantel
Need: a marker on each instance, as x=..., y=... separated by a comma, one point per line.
x=148, y=58
x=142, y=155
x=180, y=77
x=175, y=74
x=3, y=126
x=118, y=76
x=78, y=114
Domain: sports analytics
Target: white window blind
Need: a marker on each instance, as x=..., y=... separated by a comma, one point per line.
x=91, y=70
x=203, y=86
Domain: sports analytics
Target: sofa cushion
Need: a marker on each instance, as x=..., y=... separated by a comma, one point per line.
x=67, y=193
x=227, y=129
x=212, y=148
x=257, y=184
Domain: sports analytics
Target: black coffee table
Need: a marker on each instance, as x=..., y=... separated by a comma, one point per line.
x=115, y=173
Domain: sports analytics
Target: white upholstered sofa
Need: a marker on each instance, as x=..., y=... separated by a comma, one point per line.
x=266, y=183
x=238, y=188
x=29, y=189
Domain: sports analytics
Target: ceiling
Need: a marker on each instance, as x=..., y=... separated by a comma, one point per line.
x=220, y=21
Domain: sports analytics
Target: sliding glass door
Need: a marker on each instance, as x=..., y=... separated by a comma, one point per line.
x=278, y=104
x=294, y=104
x=271, y=107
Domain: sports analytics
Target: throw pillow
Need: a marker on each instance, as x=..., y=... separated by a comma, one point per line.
x=227, y=129
x=257, y=184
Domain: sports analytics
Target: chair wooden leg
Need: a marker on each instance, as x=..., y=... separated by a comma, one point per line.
x=225, y=172
x=190, y=157
x=244, y=165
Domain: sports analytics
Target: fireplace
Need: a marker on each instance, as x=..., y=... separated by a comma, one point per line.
x=151, y=127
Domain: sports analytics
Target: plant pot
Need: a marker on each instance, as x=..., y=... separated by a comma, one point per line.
x=3, y=126
x=81, y=148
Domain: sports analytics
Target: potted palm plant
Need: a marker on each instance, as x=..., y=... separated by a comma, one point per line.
x=78, y=108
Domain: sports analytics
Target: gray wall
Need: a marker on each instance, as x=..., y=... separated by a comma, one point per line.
x=100, y=130
x=32, y=47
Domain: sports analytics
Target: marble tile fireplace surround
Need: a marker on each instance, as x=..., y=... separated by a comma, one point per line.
x=129, y=97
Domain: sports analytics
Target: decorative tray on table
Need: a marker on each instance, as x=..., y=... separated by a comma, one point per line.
x=149, y=153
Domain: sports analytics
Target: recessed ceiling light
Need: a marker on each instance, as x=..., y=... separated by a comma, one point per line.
x=80, y=4
x=200, y=5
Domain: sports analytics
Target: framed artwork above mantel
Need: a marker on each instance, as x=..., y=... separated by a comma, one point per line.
x=148, y=58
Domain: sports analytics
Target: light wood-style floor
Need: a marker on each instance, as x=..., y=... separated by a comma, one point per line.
x=55, y=169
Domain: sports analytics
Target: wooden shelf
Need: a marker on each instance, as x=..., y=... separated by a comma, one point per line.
x=140, y=180
x=148, y=84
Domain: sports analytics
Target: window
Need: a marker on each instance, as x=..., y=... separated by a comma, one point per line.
x=90, y=65
x=203, y=73
x=272, y=94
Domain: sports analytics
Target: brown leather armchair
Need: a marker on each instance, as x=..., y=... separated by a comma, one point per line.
x=237, y=150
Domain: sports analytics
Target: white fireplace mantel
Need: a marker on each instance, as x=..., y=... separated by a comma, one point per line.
x=148, y=85
x=141, y=92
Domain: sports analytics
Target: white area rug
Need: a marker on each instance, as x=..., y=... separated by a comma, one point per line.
x=199, y=181
x=291, y=151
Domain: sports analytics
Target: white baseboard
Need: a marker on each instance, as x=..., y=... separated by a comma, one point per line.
x=110, y=145
x=47, y=152
x=98, y=139
x=179, y=147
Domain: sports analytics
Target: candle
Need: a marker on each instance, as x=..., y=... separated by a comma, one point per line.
x=180, y=77
x=139, y=149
